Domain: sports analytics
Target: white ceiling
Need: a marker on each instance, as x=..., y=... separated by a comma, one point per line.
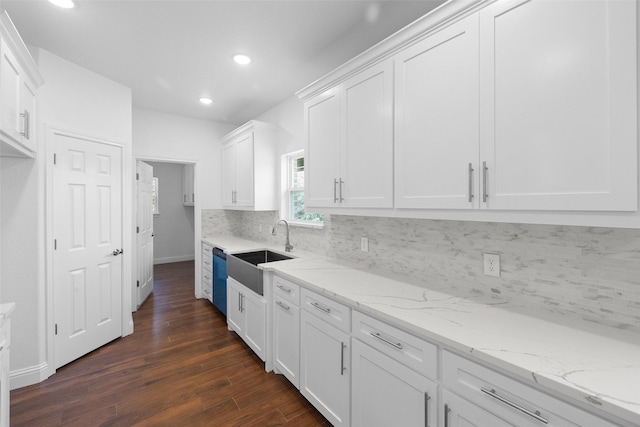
x=171, y=52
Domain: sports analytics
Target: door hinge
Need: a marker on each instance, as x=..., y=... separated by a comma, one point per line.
x=137, y=230
x=137, y=176
x=55, y=244
x=54, y=158
x=56, y=332
x=137, y=283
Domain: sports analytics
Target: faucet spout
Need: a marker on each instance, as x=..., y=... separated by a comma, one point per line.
x=287, y=244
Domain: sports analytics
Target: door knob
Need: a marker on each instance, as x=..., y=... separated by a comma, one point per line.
x=117, y=252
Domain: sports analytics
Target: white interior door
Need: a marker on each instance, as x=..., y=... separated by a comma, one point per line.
x=144, y=181
x=87, y=260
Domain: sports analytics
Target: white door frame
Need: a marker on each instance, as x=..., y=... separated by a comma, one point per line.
x=127, y=319
x=197, y=223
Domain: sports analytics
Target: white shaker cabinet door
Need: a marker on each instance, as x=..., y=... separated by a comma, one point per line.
x=325, y=368
x=437, y=144
x=322, y=125
x=255, y=332
x=367, y=142
x=229, y=154
x=244, y=171
x=558, y=105
x=387, y=393
x=286, y=339
x=236, y=319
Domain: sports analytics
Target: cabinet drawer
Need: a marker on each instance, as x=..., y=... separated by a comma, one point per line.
x=207, y=277
x=411, y=351
x=207, y=249
x=510, y=399
x=332, y=312
x=286, y=289
x=207, y=261
x=207, y=290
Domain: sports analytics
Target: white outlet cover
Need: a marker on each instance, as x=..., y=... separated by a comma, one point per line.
x=492, y=265
x=364, y=244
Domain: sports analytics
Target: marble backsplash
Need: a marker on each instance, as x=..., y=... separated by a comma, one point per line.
x=590, y=273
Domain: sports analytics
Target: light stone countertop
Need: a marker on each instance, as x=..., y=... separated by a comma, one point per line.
x=592, y=363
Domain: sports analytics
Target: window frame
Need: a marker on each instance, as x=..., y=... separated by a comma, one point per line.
x=288, y=188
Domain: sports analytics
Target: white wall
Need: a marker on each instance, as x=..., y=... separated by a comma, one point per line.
x=75, y=99
x=168, y=137
x=173, y=227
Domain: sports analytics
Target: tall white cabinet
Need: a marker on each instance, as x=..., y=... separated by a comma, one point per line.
x=19, y=81
x=249, y=168
x=436, y=127
x=558, y=106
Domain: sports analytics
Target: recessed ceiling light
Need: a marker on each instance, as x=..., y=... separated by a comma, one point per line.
x=66, y=4
x=206, y=101
x=241, y=59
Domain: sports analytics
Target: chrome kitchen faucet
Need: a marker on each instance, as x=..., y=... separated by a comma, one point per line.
x=287, y=244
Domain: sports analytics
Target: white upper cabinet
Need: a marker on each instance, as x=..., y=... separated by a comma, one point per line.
x=436, y=107
x=558, y=105
x=367, y=138
x=19, y=80
x=322, y=118
x=249, y=168
x=350, y=143
x=509, y=110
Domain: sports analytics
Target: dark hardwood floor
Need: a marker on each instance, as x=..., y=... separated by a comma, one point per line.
x=181, y=367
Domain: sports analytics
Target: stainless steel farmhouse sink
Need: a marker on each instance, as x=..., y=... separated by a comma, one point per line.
x=243, y=267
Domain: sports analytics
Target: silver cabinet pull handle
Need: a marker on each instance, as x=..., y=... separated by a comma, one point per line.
x=239, y=305
x=536, y=415
x=342, y=367
x=25, y=124
x=193, y=197
x=426, y=409
x=341, y=183
x=184, y=198
x=446, y=415
x=284, y=289
x=281, y=304
x=484, y=182
x=335, y=196
x=385, y=340
x=470, y=183
x=319, y=307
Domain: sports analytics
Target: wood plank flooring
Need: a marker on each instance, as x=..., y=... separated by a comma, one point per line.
x=181, y=367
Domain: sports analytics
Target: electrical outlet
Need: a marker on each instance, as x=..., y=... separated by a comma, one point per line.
x=364, y=244
x=492, y=265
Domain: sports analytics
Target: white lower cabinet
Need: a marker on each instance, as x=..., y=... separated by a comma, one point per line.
x=286, y=329
x=325, y=368
x=509, y=400
x=247, y=316
x=387, y=393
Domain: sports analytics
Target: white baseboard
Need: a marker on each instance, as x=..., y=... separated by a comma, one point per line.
x=173, y=259
x=28, y=376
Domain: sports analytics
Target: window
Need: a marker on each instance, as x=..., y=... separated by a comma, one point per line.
x=154, y=196
x=293, y=176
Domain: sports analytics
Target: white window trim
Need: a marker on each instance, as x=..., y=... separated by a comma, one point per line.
x=285, y=193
